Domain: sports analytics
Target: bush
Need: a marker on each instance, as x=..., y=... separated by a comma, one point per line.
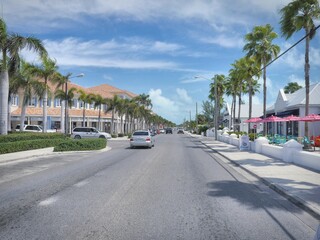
x=24, y=136
x=18, y=146
x=81, y=145
x=114, y=135
x=129, y=135
x=120, y=135
x=203, y=129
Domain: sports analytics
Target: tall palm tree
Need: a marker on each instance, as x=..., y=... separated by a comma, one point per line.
x=23, y=81
x=144, y=99
x=297, y=15
x=98, y=101
x=219, y=83
x=232, y=90
x=48, y=72
x=259, y=45
x=10, y=46
x=85, y=98
x=112, y=105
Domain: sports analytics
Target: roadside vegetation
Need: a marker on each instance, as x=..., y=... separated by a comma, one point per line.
x=17, y=142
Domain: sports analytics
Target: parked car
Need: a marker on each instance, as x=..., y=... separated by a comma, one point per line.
x=141, y=138
x=180, y=131
x=162, y=131
x=88, y=132
x=169, y=130
x=33, y=128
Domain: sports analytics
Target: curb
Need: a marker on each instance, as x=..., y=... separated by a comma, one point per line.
x=292, y=198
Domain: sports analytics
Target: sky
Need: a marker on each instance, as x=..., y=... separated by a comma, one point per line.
x=158, y=47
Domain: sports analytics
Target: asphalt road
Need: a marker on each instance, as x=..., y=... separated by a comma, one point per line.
x=176, y=190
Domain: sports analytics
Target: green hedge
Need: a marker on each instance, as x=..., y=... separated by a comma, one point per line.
x=24, y=136
x=18, y=146
x=81, y=145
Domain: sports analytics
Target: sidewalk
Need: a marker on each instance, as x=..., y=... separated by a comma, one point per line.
x=299, y=185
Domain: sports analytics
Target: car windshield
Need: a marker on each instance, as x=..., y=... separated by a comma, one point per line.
x=140, y=134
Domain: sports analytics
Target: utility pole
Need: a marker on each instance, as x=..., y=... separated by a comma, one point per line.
x=216, y=109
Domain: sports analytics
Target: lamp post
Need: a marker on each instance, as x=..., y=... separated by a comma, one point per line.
x=68, y=76
x=215, y=105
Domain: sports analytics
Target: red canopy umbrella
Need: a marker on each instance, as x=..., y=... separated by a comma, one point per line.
x=291, y=119
x=253, y=120
x=273, y=119
x=310, y=118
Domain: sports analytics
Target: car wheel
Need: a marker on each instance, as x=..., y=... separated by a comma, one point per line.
x=102, y=136
x=77, y=137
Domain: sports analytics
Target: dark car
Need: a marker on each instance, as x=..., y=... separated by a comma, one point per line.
x=169, y=130
x=180, y=131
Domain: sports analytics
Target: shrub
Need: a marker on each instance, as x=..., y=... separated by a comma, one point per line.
x=114, y=135
x=24, y=136
x=203, y=129
x=18, y=146
x=81, y=145
x=120, y=135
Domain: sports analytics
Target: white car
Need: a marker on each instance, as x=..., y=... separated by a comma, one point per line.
x=88, y=132
x=141, y=138
x=33, y=128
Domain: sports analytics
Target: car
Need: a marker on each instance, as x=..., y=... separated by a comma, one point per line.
x=169, y=130
x=33, y=128
x=141, y=138
x=88, y=132
x=180, y=131
x=162, y=130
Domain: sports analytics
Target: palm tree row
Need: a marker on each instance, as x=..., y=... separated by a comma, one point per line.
x=34, y=79
x=260, y=51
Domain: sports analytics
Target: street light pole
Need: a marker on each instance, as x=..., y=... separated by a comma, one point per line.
x=68, y=76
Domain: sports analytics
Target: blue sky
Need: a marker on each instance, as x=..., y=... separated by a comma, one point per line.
x=157, y=47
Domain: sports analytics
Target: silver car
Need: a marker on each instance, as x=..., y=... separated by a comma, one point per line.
x=141, y=138
x=88, y=132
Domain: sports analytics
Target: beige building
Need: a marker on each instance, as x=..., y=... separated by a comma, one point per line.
x=55, y=109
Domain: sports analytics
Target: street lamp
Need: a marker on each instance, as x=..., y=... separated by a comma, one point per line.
x=215, y=105
x=68, y=76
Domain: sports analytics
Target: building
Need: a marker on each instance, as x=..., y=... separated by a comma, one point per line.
x=55, y=109
x=294, y=104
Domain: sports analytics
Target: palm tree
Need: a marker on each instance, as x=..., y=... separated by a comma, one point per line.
x=98, y=101
x=259, y=45
x=85, y=98
x=219, y=83
x=292, y=87
x=23, y=81
x=297, y=15
x=11, y=45
x=143, y=99
x=112, y=105
x=48, y=72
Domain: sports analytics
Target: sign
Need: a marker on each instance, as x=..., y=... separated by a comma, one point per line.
x=255, y=126
x=244, y=143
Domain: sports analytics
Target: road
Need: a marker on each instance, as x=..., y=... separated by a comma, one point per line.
x=177, y=190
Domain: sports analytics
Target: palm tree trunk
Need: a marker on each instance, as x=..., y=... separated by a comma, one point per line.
x=234, y=110
x=4, y=92
x=112, y=122
x=45, y=103
x=99, y=118
x=62, y=115
x=84, y=115
x=250, y=105
x=264, y=93
x=9, y=115
x=23, y=116
x=307, y=81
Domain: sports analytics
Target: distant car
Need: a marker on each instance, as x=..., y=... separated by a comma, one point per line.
x=180, y=131
x=88, y=132
x=32, y=128
x=162, y=131
x=141, y=138
x=169, y=130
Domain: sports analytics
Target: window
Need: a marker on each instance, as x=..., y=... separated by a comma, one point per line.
x=81, y=104
x=57, y=102
x=15, y=100
x=32, y=101
x=75, y=103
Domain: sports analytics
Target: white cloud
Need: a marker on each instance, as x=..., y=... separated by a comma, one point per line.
x=294, y=78
x=183, y=96
x=225, y=41
x=220, y=14
x=111, y=54
x=175, y=108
